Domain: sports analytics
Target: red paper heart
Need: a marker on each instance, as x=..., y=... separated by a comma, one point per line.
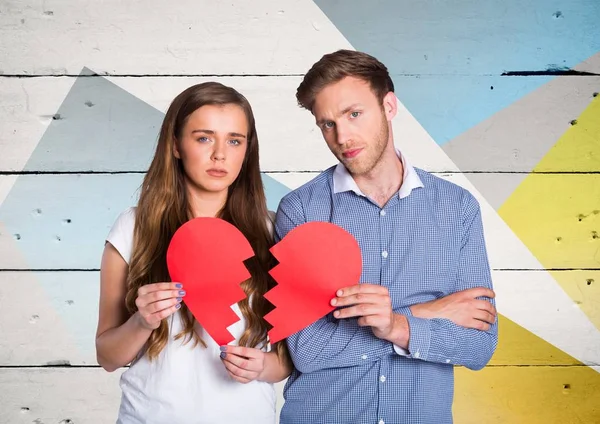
x=315, y=260
x=206, y=255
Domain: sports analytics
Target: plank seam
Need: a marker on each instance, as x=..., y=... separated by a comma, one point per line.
x=97, y=269
x=20, y=367
x=104, y=75
x=81, y=172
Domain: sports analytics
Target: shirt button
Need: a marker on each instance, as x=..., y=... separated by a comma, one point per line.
x=363, y=357
x=382, y=212
x=384, y=254
x=381, y=422
x=382, y=378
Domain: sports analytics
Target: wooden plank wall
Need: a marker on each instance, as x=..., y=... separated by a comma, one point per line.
x=500, y=98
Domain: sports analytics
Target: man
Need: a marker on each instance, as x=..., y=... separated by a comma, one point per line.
x=386, y=355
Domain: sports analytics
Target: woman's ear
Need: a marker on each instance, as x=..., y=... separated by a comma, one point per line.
x=176, y=150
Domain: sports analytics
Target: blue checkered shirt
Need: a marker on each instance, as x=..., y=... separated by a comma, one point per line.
x=425, y=243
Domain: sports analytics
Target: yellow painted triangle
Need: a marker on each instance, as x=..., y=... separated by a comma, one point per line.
x=557, y=216
x=579, y=147
x=517, y=386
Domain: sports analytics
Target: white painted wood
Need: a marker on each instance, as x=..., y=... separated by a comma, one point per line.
x=55, y=395
x=289, y=138
x=195, y=37
x=92, y=396
x=57, y=324
x=81, y=395
x=35, y=211
x=48, y=318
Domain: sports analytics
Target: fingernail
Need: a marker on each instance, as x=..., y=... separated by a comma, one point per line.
x=223, y=348
x=333, y=301
x=339, y=292
x=336, y=314
x=223, y=355
x=179, y=299
x=178, y=285
x=178, y=306
x=181, y=292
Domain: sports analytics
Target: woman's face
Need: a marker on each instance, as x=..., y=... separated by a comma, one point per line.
x=212, y=147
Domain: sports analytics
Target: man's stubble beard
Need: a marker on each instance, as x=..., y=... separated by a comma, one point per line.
x=375, y=154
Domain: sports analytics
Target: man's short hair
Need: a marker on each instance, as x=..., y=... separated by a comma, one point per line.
x=333, y=67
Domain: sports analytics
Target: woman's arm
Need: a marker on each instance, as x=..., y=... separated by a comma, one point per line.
x=120, y=337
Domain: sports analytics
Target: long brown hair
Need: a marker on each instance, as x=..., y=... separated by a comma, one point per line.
x=163, y=207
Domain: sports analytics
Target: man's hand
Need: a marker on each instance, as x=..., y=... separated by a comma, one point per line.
x=462, y=308
x=373, y=305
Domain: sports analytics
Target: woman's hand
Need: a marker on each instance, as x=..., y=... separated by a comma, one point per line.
x=156, y=302
x=244, y=364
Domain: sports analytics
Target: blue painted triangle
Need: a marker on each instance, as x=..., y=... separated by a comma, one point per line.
x=447, y=57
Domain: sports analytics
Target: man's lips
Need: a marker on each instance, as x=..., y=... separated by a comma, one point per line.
x=349, y=154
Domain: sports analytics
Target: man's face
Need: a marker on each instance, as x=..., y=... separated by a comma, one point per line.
x=354, y=123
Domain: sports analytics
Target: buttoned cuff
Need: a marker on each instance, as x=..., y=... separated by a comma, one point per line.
x=420, y=337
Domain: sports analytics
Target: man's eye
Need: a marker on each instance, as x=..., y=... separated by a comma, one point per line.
x=355, y=114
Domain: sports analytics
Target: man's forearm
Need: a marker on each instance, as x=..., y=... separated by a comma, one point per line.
x=442, y=341
x=335, y=344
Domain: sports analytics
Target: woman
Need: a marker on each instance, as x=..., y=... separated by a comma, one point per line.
x=205, y=165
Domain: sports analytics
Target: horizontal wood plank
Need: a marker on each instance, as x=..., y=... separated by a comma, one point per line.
x=545, y=394
x=99, y=124
x=539, y=324
x=287, y=36
x=112, y=37
x=43, y=217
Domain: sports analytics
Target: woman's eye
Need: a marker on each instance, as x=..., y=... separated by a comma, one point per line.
x=235, y=142
x=203, y=139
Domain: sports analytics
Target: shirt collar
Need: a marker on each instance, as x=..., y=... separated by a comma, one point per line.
x=343, y=181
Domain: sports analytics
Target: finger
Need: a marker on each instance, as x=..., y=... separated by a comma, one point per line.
x=238, y=379
x=479, y=292
x=247, y=352
x=149, y=288
x=376, y=321
x=156, y=296
x=362, y=288
x=236, y=371
x=156, y=317
x=484, y=305
x=360, y=311
x=484, y=316
x=159, y=306
x=361, y=298
x=241, y=362
x=478, y=325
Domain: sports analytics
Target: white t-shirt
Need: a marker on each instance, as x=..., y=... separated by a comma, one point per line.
x=186, y=384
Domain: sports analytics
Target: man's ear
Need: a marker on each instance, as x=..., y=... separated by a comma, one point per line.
x=390, y=105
